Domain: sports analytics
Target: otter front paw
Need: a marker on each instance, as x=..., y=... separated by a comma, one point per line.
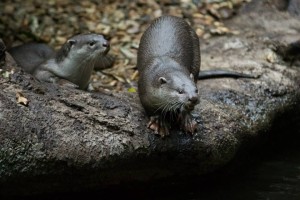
x=160, y=127
x=188, y=123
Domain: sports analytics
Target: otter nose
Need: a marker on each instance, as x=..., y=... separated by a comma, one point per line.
x=194, y=99
x=106, y=43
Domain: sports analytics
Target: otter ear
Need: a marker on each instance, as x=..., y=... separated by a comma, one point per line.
x=71, y=42
x=162, y=80
x=192, y=76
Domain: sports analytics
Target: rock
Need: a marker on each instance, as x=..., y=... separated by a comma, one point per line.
x=65, y=139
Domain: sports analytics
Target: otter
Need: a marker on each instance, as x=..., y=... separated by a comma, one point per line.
x=30, y=55
x=74, y=61
x=168, y=62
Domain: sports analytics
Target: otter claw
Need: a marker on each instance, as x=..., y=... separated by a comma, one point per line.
x=153, y=127
x=189, y=125
x=159, y=127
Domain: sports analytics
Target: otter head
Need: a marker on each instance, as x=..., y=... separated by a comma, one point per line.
x=76, y=59
x=177, y=90
x=83, y=47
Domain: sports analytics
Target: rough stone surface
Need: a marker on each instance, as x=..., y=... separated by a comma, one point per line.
x=66, y=139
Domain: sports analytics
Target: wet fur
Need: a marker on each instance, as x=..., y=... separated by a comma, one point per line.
x=63, y=52
x=74, y=61
x=31, y=55
x=169, y=48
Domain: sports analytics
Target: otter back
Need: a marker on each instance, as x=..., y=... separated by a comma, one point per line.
x=30, y=55
x=173, y=37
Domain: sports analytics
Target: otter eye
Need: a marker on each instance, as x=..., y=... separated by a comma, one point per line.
x=92, y=43
x=196, y=90
x=162, y=80
x=180, y=91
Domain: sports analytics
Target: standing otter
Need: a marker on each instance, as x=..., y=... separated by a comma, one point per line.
x=74, y=62
x=169, y=62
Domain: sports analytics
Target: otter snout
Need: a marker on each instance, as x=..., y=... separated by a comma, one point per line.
x=106, y=43
x=95, y=42
x=194, y=99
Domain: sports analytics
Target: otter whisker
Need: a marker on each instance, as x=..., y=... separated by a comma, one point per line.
x=161, y=105
x=173, y=110
x=171, y=105
x=168, y=107
x=165, y=110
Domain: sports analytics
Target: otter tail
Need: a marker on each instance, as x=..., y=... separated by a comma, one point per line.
x=219, y=73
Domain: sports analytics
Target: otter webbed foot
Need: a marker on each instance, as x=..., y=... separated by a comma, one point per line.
x=188, y=123
x=160, y=127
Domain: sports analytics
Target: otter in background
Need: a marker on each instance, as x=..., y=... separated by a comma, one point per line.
x=74, y=61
